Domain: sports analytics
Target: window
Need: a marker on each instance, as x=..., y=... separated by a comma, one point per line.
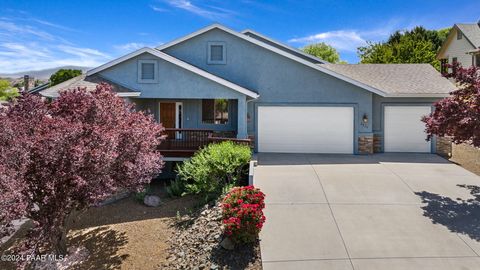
x=216, y=53
x=477, y=60
x=459, y=34
x=147, y=71
x=215, y=111
x=443, y=65
x=454, y=60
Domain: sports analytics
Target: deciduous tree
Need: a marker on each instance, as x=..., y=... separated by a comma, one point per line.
x=63, y=75
x=418, y=45
x=62, y=157
x=6, y=91
x=323, y=51
x=458, y=115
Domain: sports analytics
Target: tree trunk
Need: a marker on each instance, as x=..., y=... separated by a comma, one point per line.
x=60, y=242
x=60, y=238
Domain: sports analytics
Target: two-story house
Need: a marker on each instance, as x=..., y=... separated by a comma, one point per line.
x=462, y=45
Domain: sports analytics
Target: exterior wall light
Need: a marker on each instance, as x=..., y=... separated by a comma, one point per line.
x=365, y=120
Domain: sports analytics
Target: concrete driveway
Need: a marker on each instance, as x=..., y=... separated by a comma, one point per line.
x=386, y=211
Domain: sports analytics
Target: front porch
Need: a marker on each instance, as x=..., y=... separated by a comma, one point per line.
x=191, y=124
x=183, y=143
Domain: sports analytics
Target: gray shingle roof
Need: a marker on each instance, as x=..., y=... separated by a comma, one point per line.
x=471, y=31
x=397, y=79
x=83, y=81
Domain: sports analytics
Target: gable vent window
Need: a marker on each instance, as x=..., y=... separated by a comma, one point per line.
x=147, y=71
x=459, y=34
x=216, y=53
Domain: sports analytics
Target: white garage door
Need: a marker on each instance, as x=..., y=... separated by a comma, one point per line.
x=305, y=129
x=404, y=131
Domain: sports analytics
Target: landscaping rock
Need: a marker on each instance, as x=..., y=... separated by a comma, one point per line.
x=151, y=200
x=227, y=244
x=199, y=242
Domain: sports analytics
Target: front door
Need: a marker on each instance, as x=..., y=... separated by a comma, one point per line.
x=167, y=114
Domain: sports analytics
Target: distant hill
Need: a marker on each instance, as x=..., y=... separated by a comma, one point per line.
x=42, y=74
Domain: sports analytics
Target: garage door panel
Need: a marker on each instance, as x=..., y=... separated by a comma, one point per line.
x=305, y=129
x=404, y=130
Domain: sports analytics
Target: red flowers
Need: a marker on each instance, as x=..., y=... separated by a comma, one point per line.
x=243, y=213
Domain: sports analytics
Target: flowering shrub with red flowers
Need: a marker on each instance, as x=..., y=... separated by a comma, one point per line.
x=242, y=211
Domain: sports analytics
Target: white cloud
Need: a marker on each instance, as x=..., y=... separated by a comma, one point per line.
x=158, y=9
x=133, y=46
x=342, y=40
x=348, y=40
x=54, y=25
x=20, y=50
x=15, y=57
x=8, y=28
x=25, y=45
x=128, y=47
x=209, y=12
x=82, y=52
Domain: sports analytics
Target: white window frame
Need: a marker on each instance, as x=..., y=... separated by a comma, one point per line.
x=224, y=51
x=155, y=71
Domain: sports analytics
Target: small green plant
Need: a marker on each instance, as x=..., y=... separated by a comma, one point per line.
x=139, y=196
x=214, y=167
x=176, y=188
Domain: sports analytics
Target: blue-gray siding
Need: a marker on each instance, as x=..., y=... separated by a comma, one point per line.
x=280, y=81
x=277, y=79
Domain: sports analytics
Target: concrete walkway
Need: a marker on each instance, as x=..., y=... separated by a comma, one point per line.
x=386, y=211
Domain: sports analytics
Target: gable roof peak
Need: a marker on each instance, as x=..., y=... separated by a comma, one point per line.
x=176, y=62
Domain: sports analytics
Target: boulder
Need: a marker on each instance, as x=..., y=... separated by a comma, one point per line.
x=151, y=200
x=227, y=244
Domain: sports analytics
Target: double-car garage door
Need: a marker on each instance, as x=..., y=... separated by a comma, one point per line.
x=327, y=129
x=305, y=129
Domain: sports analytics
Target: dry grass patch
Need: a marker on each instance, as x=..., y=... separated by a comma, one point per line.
x=123, y=235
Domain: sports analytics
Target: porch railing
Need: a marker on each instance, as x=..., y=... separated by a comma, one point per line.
x=182, y=142
x=213, y=139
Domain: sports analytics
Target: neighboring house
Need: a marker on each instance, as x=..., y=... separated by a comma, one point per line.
x=462, y=45
x=36, y=90
x=220, y=81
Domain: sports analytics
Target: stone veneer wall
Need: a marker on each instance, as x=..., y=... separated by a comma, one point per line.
x=444, y=147
x=365, y=144
x=377, y=143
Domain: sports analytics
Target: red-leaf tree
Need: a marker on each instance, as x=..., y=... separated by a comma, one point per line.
x=60, y=157
x=458, y=115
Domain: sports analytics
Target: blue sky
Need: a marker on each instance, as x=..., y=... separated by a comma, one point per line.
x=45, y=34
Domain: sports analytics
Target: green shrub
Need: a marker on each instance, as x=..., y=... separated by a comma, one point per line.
x=176, y=188
x=214, y=167
x=139, y=196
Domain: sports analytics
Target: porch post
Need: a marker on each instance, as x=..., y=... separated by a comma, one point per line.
x=242, y=118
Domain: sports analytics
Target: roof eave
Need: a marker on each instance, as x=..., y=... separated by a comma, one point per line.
x=285, y=46
x=129, y=94
x=418, y=95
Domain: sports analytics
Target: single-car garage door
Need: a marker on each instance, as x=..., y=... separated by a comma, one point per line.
x=300, y=129
x=404, y=130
